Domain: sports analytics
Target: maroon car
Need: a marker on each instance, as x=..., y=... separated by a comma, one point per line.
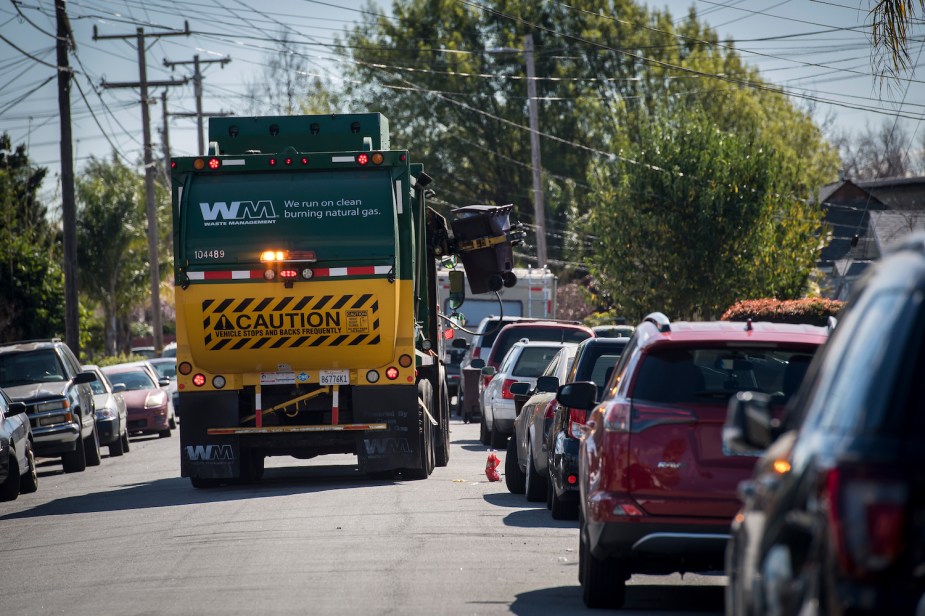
x=148, y=405
x=657, y=489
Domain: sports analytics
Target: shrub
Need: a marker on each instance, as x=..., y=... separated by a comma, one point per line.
x=810, y=310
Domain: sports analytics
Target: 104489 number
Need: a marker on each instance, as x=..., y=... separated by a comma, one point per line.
x=209, y=254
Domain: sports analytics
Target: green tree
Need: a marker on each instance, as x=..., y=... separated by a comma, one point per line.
x=891, y=21
x=693, y=217
x=112, y=244
x=31, y=275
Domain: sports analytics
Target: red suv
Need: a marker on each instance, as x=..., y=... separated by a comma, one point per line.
x=657, y=489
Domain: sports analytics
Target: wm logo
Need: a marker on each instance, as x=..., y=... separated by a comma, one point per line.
x=237, y=210
x=383, y=446
x=206, y=453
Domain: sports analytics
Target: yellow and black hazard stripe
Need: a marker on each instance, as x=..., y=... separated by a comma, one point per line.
x=222, y=321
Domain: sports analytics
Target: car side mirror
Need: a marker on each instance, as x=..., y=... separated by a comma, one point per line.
x=749, y=425
x=459, y=343
x=520, y=388
x=488, y=371
x=163, y=382
x=85, y=377
x=118, y=387
x=16, y=408
x=477, y=363
x=577, y=395
x=547, y=384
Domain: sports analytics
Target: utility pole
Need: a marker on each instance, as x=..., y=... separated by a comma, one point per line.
x=197, y=85
x=539, y=210
x=64, y=39
x=165, y=139
x=150, y=206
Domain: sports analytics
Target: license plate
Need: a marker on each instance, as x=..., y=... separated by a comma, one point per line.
x=334, y=377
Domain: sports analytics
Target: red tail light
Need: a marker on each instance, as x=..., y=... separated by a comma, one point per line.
x=867, y=515
x=576, y=418
x=506, y=389
x=617, y=417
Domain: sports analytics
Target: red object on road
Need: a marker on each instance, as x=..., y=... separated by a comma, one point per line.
x=491, y=467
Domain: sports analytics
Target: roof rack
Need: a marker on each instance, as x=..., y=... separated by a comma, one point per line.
x=661, y=322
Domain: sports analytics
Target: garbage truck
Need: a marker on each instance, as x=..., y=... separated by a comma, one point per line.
x=308, y=321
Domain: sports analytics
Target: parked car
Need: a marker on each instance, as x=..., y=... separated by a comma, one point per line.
x=833, y=517
x=478, y=349
x=170, y=350
x=534, y=331
x=45, y=375
x=657, y=490
x=111, y=419
x=613, y=331
x=166, y=368
x=148, y=352
x=17, y=462
x=148, y=406
x=522, y=474
x=595, y=361
x=523, y=363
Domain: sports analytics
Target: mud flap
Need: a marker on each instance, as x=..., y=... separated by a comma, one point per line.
x=202, y=455
x=398, y=446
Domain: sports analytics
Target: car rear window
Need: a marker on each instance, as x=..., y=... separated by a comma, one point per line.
x=535, y=334
x=533, y=360
x=39, y=366
x=704, y=375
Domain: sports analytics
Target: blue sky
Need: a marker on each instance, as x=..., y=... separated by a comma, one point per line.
x=818, y=49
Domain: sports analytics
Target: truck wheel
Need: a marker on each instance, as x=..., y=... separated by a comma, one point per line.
x=92, y=448
x=513, y=476
x=9, y=490
x=536, y=487
x=442, y=444
x=29, y=482
x=75, y=461
x=426, y=439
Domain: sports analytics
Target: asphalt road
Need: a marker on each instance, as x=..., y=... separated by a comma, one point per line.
x=315, y=537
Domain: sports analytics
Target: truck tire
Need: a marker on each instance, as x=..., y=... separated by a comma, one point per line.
x=513, y=476
x=426, y=437
x=442, y=444
x=9, y=490
x=29, y=482
x=75, y=461
x=92, y=448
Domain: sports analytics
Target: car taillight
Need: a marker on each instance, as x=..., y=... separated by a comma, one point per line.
x=506, y=389
x=617, y=417
x=576, y=419
x=867, y=515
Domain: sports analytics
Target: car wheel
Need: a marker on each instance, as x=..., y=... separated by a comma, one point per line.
x=172, y=422
x=92, y=447
x=75, y=461
x=484, y=436
x=116, y=448
x=536, y=487
x=9, y=490
x=29, y=482
x=166, y=433
x=561, y=510
x=603, y=584
x=125, y=443
x=513, y=476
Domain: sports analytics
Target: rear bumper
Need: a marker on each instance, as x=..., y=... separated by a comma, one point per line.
x=563, y=462
x=657, y=547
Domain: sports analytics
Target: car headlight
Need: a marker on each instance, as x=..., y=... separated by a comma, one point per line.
x=155, y=399
x=52, y=405
x=106, y=413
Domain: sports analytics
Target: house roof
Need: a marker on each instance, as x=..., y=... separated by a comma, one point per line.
x=889, y=226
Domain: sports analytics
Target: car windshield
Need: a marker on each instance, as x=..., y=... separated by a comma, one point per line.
x=699, y=375
x=166, y=369
x=39, y=366
x=97, y=385
x=136, y=379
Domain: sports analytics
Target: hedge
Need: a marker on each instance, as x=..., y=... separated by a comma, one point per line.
x=811, y=310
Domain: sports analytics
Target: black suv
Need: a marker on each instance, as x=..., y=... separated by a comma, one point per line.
x=834, y=517
x=45, y=375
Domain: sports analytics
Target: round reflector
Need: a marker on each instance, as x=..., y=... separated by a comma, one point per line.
x=269, y=274
x=372, y=376
x=378, y=158
x=218, y=382
x=185, y=368
x=199, y=164
x=405, y=361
